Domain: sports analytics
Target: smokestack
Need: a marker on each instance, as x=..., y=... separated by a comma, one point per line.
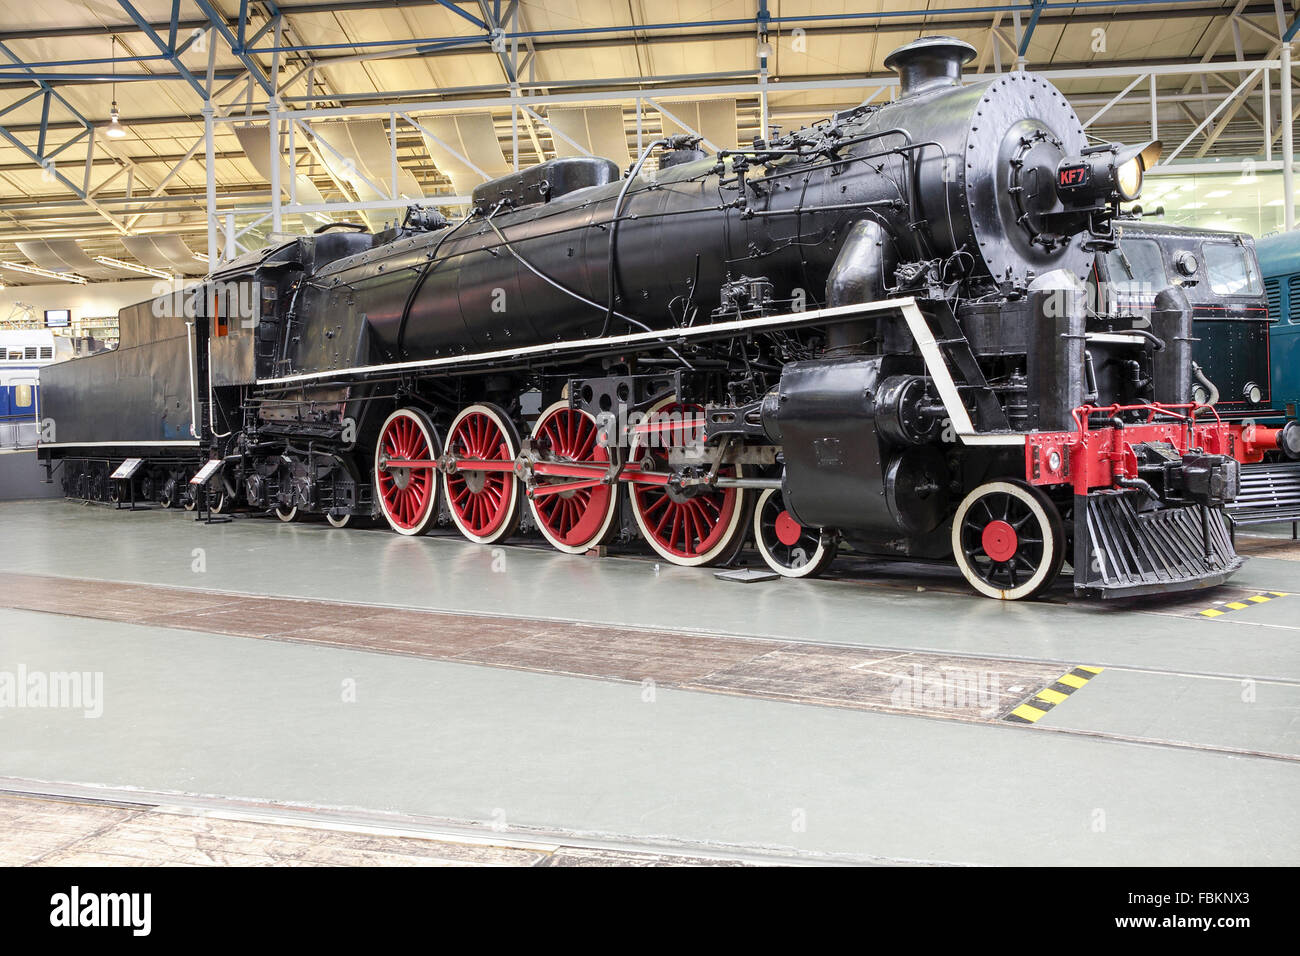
x=929, y=63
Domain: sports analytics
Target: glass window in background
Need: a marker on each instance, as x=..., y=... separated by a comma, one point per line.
x=1246, y=201
x=1231, y=271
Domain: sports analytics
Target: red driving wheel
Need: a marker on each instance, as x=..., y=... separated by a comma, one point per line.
x=483, y=501
x=694, y=528
x=407, y=493
x=578, y=519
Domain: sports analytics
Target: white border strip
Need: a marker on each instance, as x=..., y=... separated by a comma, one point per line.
x=938, y=369
x=115, y=444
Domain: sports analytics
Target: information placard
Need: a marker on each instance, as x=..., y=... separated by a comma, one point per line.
x=206, y=472
x=127, y=468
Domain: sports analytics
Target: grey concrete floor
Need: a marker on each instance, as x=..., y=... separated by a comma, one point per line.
x=199, y=713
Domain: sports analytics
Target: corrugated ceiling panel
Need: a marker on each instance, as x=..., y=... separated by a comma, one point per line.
x=474, y=137
x=256, y=145
x=597, y=129
x=163, y=251
x=64, y=255
x=363, y=158
x=715, y=120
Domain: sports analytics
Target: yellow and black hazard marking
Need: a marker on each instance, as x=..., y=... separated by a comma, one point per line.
x=1221, y=609
x=1051, y=695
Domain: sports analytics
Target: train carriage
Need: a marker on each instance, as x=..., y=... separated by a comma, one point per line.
x=1230, y=314
x=23, y=354
x=1279, y=259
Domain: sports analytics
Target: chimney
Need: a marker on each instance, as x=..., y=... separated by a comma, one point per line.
x=929, y=64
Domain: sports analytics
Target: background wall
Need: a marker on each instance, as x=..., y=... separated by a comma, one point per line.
x=20, y=477
x=90, y=301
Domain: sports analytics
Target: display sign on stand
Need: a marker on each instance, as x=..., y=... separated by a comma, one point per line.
x=201, y=482
x=124, y=475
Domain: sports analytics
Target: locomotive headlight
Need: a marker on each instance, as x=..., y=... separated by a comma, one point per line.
x=1128, y=179
x=1131, y=163
x=1104, y=174
x=1054, y=460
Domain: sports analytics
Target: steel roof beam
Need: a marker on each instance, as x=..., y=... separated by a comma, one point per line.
x=168, y=51
x=245, y=57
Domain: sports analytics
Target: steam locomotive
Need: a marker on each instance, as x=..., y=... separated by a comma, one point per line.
x=873, y=330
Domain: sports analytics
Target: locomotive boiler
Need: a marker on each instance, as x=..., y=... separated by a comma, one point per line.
x=872, y=331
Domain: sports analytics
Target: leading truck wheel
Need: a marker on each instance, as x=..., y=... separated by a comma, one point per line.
x=406, y=482
x=688, y=528
x=576, y=520
x=1008, y=540
x=483, y=493
x=789, y=548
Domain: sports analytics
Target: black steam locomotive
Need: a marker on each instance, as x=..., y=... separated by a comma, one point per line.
x=872, y=330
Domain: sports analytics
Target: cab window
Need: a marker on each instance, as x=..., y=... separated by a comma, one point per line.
x=22, y=396
x=1231, y=269
x=1137, y=267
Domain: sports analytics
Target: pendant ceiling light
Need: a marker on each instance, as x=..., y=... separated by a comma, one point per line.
x=114, y=129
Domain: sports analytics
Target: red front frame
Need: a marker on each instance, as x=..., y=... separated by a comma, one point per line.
x=1090, y=458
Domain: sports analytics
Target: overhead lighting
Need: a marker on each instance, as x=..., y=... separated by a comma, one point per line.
x=133, y=267
x=43, y=273
x=1194, y=205
x=114, y=129
x=201, y=257
x=1218, y=194
x=1274, y=202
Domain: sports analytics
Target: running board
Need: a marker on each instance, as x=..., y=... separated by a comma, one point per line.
x=664, y=338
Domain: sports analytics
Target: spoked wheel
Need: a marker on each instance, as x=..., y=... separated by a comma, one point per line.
x=219, y=501
x=483, y=494
x=407, y=492
x=789, y=548
x=577, y=519
x=115, y=490
x=167, y=495
x=338, y=521
x=286, y=513
x=1008, y=540
x=693, y=528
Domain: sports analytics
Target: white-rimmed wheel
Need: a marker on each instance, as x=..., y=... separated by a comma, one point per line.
x=405, y=475
x=578, y=519
x=483, y=496
x=789, y=548
x=1008, y=540
x=338, y=521
x=219, y=500
x=286, y=513
x=170, y=492
x=695, y=527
